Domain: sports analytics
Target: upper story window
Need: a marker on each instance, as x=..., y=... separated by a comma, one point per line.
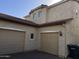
x=34, y=16
x=39, y=13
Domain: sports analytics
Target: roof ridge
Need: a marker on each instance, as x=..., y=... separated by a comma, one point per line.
x=38, y=7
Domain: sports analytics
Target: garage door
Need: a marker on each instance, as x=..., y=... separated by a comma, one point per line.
x=11, y=41
x=49, y=42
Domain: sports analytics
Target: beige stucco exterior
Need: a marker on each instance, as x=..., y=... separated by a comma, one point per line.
x=29, y=44
x=39, y=20
x=60, y=12
x=61, y=43
x=27, y=17
x=70, y=30
x=35, y=44
x=54, y=13
x=72, y=27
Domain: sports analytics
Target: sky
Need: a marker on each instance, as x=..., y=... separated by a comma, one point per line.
x=20, y=8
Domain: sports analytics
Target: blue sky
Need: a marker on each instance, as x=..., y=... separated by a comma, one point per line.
x=20, y=8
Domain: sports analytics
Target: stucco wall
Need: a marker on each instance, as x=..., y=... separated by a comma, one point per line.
x=70, y=30
x=73, y=25
x=61, y=38
x=29, y=44
x=39, y=20
x=42, y=18
x=27, y=18
x=60, y=12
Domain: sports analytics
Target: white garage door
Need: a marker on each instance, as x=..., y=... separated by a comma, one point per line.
x=11, y=41
x=49, y=42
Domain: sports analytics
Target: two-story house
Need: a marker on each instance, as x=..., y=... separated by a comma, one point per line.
x=46, y=28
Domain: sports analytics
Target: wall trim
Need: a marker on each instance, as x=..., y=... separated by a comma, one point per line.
x=49, y=31
x=14, y=29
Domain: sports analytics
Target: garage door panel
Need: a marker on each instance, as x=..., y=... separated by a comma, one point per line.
x=49, y=42
x=11, y=41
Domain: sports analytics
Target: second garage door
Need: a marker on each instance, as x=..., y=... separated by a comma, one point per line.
x=49, y=42
x=11, y=41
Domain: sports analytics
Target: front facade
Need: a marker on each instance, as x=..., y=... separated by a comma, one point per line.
x=59, y=11
x=58, y=22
